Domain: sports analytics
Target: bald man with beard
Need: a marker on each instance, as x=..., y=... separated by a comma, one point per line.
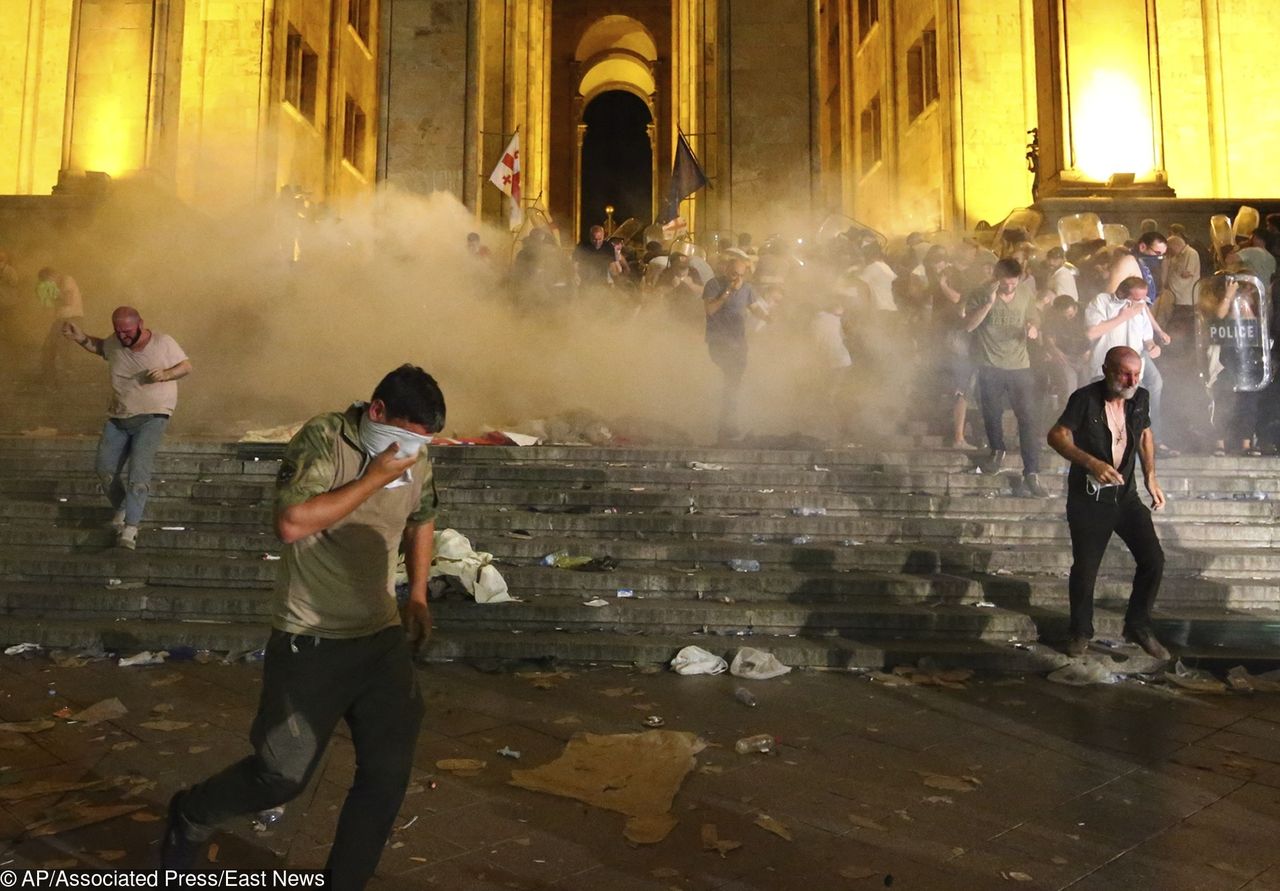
x=145, y=367
x=1103, y=428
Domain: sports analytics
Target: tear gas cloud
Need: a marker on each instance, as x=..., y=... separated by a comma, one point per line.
x=390, y=281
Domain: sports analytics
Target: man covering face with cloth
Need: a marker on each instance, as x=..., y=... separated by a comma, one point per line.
x=352, y=487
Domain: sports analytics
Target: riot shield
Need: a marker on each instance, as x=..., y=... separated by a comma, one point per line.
x=1115, y=233
x=1220, y=232
x=1078, y=227
x=1233, y=328
x=1247, y=220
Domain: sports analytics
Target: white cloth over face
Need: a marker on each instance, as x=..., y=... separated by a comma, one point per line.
x=454, y=556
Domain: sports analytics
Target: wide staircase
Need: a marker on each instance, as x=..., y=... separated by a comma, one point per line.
x=843, y=557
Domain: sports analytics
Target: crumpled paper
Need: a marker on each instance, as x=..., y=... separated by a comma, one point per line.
x=637, y=774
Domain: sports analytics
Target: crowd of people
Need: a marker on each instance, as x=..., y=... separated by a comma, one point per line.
x=1007, y=324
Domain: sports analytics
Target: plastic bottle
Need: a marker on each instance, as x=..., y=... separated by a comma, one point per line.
x=744, y=565
x=761, y=742
x=270, y=816
x=802, y=540
x=809, y=511
x=743, y=695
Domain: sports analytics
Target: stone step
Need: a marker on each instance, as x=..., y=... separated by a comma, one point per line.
x=1175, y=593
x=464, y=644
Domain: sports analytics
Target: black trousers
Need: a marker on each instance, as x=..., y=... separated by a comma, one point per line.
x=308, y=685
x=1092, y=523
x=1017, y=387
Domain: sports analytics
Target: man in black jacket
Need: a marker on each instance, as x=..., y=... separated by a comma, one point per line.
x=1103, y=428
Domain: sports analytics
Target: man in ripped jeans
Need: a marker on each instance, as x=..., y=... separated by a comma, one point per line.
x=145, y=368
x=352, y=487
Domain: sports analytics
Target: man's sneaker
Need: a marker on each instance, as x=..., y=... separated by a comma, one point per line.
x=1077, y=646
x=182, y=841
x=128, y=538
x=1031, y=485
x=117, y=520
x=991, y=464
x=1145, y=639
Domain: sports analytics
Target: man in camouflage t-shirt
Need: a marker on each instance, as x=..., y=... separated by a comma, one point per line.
x=352, y=485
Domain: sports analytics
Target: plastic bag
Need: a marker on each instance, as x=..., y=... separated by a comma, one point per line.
x=696, y=660
x=749, y=662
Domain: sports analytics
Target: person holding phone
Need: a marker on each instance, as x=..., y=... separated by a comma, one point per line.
x=1104, y=428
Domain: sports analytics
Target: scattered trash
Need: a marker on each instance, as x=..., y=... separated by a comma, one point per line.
x=271, y=557
x=454, y=556
x=767, y=823
x=1196, y=680
x=146, y=657
x=758, y=665
x=19, y=649
x=637, y=774
x=950, y=784
x=711, y=841
x=859, y=872
x=867, y=823
x=696, y=660
x=461, y=766
x=268, y=818
x=653, y=721
x=985, y=604
x=244, y=656
x=821, y=469
x=595, y=601
x=507, y=752
x=106, y=710
x=1239, y=679
x=1084, y=673
x=1015, y=876
x=926, y=673
x=701, y=465
x=802, y=540
x=173, y=528
x=808, y=511
x=761, y=742
x=122, y=585
x=743, y=695
x=165, y=726
x=579, y=563
x=744, y=565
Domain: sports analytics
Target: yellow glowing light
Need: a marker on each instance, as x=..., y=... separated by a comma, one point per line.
x=1111, y=127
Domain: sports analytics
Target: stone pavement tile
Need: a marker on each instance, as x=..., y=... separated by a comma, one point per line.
x=409, y=848
x=1267, y=881
x=617, y=880
x=473, y=871
x=1218, y=784
x=488, y=822
x=1139, y=871
x=1242, y=744
x=543, y=857
x=1078, y=851
x=1119, y=811
x=1228, y=764
x=1224, y=833
x=20, y=751
x=534, y=746
x=1251, y=726
x=457, y=721
x=1257, y=799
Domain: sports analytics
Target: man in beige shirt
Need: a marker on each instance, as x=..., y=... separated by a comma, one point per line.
x=352, y=487
x=145, y=368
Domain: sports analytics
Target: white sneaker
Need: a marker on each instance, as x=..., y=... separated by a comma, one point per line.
x=128, y=538
x=117, y=520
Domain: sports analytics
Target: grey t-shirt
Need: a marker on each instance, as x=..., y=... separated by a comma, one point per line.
x=730, y=322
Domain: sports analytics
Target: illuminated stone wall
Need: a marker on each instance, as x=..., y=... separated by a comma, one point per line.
x=767, y=174
x=426, y=96
x=33, y=79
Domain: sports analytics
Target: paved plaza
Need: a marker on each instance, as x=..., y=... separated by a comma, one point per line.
x=1000, y=781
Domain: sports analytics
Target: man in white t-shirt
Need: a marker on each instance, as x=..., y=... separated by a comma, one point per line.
x=1125, y=319
x=145, y=367
x=879, y=277
x=1062, y=275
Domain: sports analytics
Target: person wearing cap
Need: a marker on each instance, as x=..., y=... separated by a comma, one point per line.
x=353, y=488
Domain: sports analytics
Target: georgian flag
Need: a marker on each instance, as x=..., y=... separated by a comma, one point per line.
x=506, y=176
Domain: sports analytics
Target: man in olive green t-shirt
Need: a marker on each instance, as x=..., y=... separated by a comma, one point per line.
x=352, y=486
x=1002, y=316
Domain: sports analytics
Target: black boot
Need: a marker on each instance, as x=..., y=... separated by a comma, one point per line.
x=182, y=841
x=1031, y=485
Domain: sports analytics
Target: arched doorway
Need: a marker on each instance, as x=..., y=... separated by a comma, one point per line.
x=617, y=159
x=615, y=101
